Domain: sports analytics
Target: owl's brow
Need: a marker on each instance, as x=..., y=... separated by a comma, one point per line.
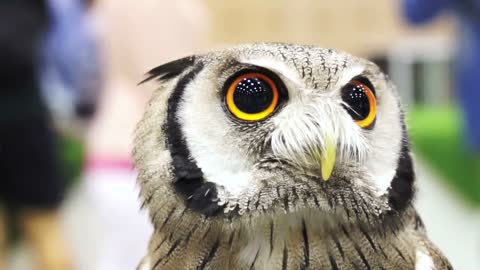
x=233, y=65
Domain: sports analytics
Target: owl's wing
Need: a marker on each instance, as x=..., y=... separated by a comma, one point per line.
x=429, y=257
x=144, y=264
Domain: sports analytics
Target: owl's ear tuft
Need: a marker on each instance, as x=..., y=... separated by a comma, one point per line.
x=169, y=70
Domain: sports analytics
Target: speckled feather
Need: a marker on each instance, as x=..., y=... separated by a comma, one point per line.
x=222, y=194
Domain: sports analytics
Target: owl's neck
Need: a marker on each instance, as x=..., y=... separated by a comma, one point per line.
x=191, y=243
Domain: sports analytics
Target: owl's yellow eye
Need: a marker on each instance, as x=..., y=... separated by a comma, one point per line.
x=252, y=97
x=360, y=103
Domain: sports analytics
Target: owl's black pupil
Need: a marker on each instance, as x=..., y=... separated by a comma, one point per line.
x=357, y=100
x=253, y=95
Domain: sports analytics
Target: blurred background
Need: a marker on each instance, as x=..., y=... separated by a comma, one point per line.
x=69, y=102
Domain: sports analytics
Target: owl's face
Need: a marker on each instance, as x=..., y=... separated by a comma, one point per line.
x=261, y=129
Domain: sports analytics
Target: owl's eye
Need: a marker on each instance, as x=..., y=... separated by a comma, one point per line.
x=360, y=102
x=252, y=96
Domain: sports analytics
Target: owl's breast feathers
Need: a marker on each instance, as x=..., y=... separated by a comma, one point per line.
x=284, y=243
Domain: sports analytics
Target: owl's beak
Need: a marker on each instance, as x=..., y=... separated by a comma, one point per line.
x=327, y=160
x=311, y=141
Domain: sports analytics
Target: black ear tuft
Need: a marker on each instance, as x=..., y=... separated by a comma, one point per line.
x=169, y=70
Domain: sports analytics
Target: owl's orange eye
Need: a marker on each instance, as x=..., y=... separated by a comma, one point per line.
x=360, y=103
x=252, y=97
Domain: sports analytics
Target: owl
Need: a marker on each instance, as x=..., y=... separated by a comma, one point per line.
x=278, y=156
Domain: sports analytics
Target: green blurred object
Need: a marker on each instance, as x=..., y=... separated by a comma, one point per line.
x=72, y=154
x=436, y=134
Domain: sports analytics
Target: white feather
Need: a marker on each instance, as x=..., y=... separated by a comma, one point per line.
x=303, y=127
x=204, y=125
x=145, y=264
x=279, y=67
x=423, y=261
x=347, y=75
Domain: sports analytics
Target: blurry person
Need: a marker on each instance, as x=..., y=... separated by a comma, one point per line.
x=70, y=72
x=467, y=63
x=135, y=36
x=30, y=182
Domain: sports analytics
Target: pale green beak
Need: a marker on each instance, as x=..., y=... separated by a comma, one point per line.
x=328, y=159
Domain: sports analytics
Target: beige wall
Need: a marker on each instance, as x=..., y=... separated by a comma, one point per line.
x=358, y=26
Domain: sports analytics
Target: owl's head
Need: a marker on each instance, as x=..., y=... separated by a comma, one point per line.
x=264, y=129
